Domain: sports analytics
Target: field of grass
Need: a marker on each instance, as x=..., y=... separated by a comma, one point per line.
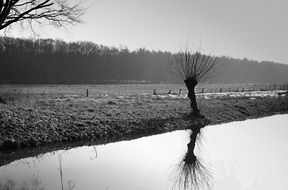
x=30, y=93
x=36, y=115
x=63, y=114
x=74, y=97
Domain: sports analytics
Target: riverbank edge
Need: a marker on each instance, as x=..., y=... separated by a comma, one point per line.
x=17, y=133
x=231, y=110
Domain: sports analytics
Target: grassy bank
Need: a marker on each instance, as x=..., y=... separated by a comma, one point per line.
x=49, y=120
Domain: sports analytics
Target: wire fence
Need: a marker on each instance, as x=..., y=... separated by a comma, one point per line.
x=224, y=88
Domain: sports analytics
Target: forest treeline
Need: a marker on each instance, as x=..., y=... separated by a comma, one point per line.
x=57, y=62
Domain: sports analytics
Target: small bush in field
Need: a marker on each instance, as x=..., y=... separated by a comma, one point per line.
x=14, y=97
x=2, y=100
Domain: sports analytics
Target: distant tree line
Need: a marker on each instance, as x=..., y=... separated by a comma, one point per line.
x=58, y=62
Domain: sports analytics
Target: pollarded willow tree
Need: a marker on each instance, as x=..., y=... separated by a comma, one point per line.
x=193, y=67
x=56, y=12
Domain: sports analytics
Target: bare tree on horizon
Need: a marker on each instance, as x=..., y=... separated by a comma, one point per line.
x=193, y=67
x=55, y=12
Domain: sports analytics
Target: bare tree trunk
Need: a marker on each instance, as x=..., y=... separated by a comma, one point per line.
x=191, y=84
x=193, y=138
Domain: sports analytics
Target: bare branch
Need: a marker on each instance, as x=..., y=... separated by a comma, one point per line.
x=56, y=12
x=193, y=64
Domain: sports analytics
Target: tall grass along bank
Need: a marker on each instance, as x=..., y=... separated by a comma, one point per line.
x=48, y=120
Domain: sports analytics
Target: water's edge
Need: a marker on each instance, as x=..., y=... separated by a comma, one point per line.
x=9, y=156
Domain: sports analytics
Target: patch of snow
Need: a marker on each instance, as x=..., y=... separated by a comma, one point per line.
x=243, y=94
x=174, y=96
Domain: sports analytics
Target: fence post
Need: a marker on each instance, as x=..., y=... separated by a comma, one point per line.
x=87, y=92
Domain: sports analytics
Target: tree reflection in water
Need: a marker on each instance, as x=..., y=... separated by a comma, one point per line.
x=190, y=172
x=31, y=184
x=35, y=183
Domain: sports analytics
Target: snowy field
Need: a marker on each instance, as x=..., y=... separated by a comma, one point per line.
x=28, y=94
x=138, y=88
x=251, y=94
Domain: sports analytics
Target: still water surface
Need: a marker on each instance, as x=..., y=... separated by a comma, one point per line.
x=247, y=155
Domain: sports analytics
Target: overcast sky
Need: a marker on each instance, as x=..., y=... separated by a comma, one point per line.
x=256, y=29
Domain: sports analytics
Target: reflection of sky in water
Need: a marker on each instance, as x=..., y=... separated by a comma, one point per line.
x=247, y=155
